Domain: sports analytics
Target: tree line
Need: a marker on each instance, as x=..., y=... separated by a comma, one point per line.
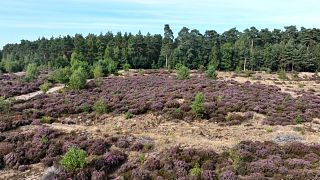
x=289, y=49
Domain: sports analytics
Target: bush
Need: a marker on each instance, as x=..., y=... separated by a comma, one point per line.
x=97, y=72
x=12, y=66
x=61, y=75
x=198, y=105
x=282, y=75
x=45, y=87
x=183, y=72
x=128, y=115
x=32, y=71
x=297, y=120
x=78, y=79
x=85, y=107
x=97, y=75
x=211, y=72
x=74, y=158
x=4, y=105
x=178, y=66
x=269, y=129
x=238, y=70
x=45, y=120
x=196, y=171
x=141, y=72
x=100, y=107
x=142, y=157
x=126, y=67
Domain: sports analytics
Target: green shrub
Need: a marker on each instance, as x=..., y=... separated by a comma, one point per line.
x=248, y=73
x=297, y=120
x=128, y=115
x=85, y=108
x=97, y=72
x=44, y=139
x=238, y=70
x=32, y=71
x=238, y=162
x=282, y=75
x=73, y=159
x=46, y=120
x=45, y=87
x=269, y=129
x=97, y=75
x=141, y=72
x=195, y=171
x=61, y=75
x=211, y=72
x=183, y=72
x=142, y=157
x=12, y=66
x=112, y=67
x=295, y=75
x=78, y=79
x=4, y=105
x=100, y=107
x=197, y=104
x=126, y=67
x=178, y=66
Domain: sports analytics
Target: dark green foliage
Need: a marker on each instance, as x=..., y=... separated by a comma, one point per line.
x=74, y=158
x=289, y=49
x=183, y=72
x=198, y=104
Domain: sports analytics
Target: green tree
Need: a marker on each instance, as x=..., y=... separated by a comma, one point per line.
x=78, y=79
x=32, y=71
x=198, y=104
x=167, y=44
x=227, y=56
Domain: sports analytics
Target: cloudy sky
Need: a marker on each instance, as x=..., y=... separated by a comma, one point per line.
x=31, y=19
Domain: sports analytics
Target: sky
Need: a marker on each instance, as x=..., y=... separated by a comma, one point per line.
x=33, y=19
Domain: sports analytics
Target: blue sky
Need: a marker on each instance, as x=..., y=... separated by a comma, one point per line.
x=31, y=19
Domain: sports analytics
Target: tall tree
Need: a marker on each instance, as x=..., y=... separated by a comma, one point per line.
x=167, y=44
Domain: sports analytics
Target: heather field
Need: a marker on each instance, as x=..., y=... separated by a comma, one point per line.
x=152, y=125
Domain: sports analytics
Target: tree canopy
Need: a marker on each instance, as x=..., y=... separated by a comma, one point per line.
x=289, y=49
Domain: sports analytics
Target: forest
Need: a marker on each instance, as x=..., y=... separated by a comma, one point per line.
x=257, y=50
